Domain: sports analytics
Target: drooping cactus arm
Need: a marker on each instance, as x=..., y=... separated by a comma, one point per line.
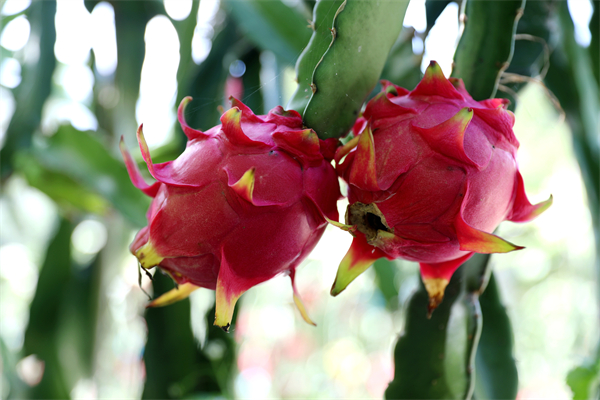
x=434, y=356
x=343, y=61
x=486, y=45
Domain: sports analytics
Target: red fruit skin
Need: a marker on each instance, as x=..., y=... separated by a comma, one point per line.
x=440, y=168
x=244, y=202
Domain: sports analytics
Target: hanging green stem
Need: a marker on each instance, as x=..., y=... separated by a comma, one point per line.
x=486, y=46
x=343, y=61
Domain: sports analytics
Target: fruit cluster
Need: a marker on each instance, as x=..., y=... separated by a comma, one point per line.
x=431, y=173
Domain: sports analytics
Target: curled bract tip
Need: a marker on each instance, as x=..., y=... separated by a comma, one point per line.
x=174, y=295
x=245, y=185
x=225, y=301
x=298, y=301
x=344, y=227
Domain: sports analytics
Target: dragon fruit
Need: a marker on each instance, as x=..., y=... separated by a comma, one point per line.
x=247, y=200
x=430, y=176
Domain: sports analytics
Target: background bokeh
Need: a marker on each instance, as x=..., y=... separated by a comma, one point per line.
x=70, y=293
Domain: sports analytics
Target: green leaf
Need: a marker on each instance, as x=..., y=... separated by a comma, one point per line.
x=584, y=381
x=486, y=46
x=62, y=318
x=496, y=371
x=41, y=336
x=65, y=191
x=273, y=26
x=175, y=365
x=594, y=48
x=81, y=157
x=36, y=83
x=224, y=362
x=343, y=61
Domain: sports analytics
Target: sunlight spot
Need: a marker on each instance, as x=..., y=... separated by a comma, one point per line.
x=12, y=7
x=73, y=40
x=203, y=34
x=158, y=87
x=85, y=389
x=441, y=42
x=30, y=369
x=57, y=111
x=10, y=73
x=104, y=38
x=237, y=68
x=18, y=269
x=77, y=80
x=416, y=16
x=581, y=12
x=253, y=383
x=89, y=237
x=15, y=34
x=178, y=9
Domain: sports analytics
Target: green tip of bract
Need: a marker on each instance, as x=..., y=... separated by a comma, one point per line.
x=434, y=71
x=464, y=116
x=471, y=239
x=539, y=208
x=357, y=260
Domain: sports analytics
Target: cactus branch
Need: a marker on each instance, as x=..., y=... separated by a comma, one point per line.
x=486, y=46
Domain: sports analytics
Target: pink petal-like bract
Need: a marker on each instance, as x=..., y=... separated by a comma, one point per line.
x=247, y=200
x=430, y=176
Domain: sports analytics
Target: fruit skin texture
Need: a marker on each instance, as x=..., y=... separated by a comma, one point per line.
x=431, y=175
x=246, y=200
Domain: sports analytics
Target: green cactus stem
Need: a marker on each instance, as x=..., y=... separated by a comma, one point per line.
x=486, y=46
x=432, y=355
x=343, y=61
x=435, y=358
x=496, y=370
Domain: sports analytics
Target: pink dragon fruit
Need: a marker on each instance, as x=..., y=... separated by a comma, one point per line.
x=430, y=176
x=246, y=200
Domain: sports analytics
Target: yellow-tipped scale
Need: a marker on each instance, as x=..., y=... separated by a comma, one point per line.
x=245, y=185
x=174, y=295
x=148, y=256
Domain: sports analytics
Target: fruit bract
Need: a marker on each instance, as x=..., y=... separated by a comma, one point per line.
x=431, y=175
x=246, y=200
